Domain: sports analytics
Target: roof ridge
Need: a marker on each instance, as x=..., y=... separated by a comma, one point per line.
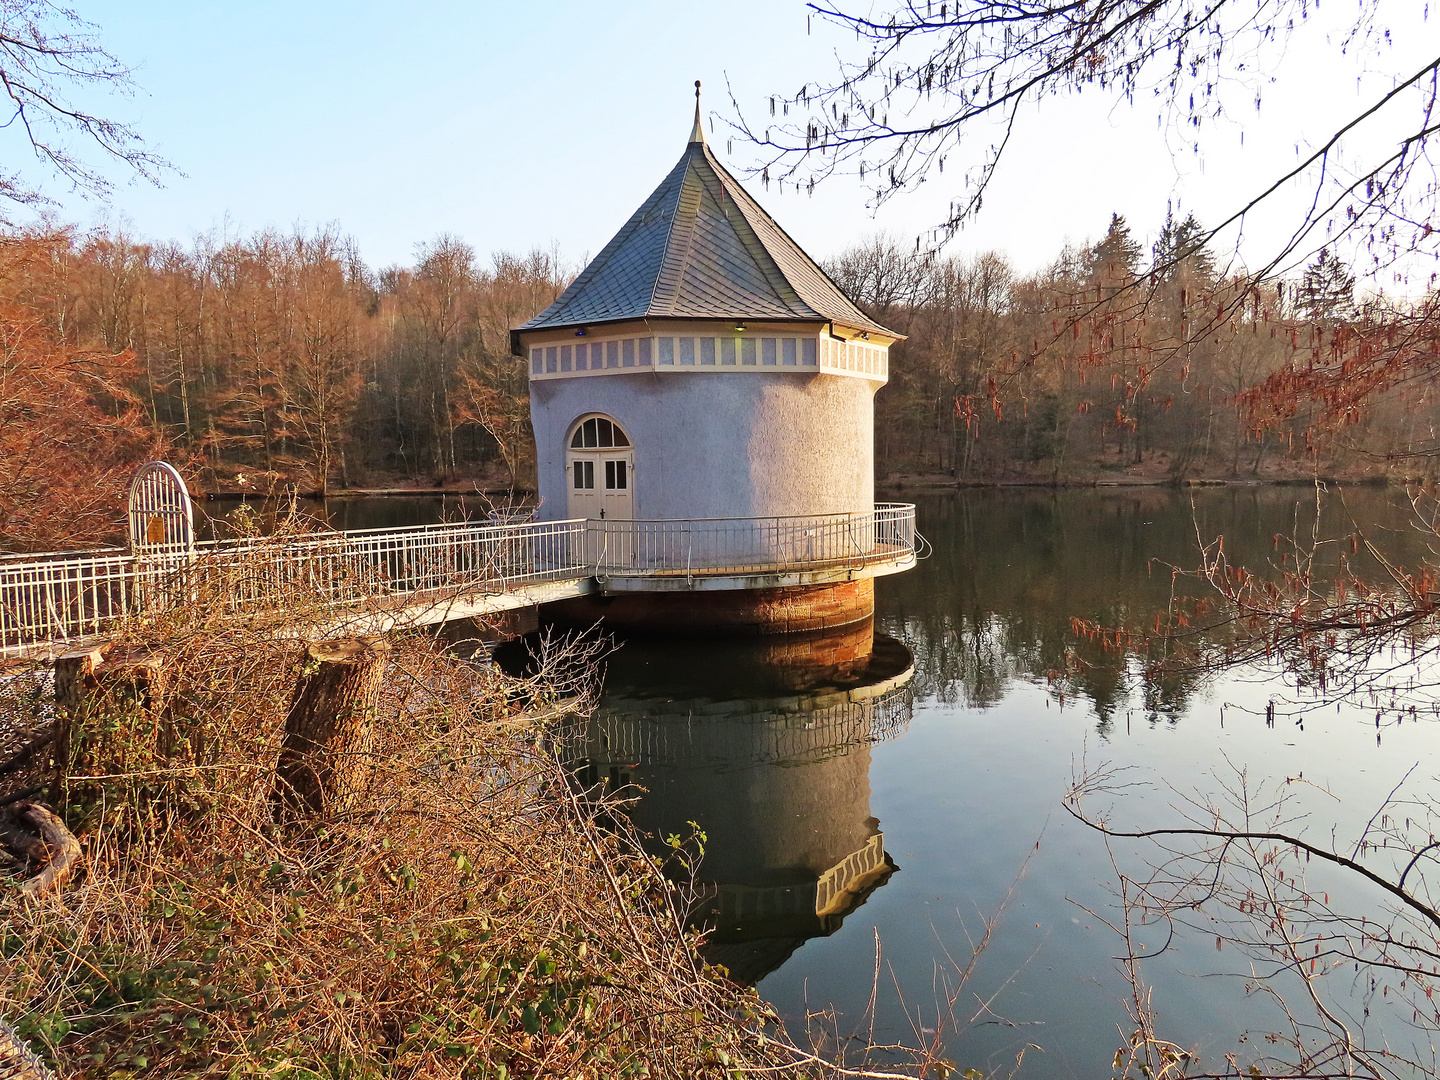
x=687, y=159
x=601, y=261
x=751, y=239
x=770, y=220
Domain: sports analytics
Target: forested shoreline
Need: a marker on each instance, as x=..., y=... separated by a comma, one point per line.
x=1116, y=363
x=282, y=360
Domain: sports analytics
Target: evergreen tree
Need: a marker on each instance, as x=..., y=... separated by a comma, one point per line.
x=1116, y=258
x=1182, y=243
x=1327, y=291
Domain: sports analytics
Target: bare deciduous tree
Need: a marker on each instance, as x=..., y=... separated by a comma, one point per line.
x=48, y=57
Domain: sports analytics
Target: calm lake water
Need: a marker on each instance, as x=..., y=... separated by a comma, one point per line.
x=842, y=810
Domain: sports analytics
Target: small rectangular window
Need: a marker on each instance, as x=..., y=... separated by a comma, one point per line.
x=552, y=360
x=565, y=352
x=807, y=352
x=580, y=353
x=612, y=354
x=643, y=357
x=768, y=350
x=584, y=475
x=687, y=350
x=627, y=348
x=747, y=351
x=727, y=352
x=667, y=351
x=610, y=475
x=620, y=478
x=536, y=360
x=789, y=351
x=707, y=351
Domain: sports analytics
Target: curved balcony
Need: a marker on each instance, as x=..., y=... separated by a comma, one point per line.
x=751, y=552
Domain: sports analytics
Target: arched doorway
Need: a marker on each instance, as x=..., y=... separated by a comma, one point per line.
x=600, y=463
x=600, y=476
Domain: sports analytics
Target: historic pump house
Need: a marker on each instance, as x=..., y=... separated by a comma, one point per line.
x=705, y=392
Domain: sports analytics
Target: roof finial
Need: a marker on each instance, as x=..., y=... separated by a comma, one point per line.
x=697, y=133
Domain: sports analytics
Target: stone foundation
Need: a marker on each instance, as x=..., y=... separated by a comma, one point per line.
x=795, y=610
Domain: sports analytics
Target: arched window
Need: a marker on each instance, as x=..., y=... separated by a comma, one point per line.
x=598, y=433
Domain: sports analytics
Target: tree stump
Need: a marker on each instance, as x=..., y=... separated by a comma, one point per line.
x=326, y=761
x=109, y=704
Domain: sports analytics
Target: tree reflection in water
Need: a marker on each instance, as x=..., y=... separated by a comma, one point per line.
x=1015, y=571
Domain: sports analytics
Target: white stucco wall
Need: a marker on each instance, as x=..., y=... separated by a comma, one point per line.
x=723, y=444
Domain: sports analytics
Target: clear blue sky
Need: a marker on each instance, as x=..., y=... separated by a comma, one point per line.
x=516, y=125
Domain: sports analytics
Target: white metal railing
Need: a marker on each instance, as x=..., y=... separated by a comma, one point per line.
x=57, y=598
x=699, y=547
x=60, y=597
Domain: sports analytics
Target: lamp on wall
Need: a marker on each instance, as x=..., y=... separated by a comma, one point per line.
x=580, y=332
x=740, y=327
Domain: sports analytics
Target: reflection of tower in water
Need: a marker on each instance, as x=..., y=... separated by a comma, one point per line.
x=766, y=746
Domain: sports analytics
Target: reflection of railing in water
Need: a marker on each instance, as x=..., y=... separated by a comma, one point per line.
x=739, y=737
x=759, y=906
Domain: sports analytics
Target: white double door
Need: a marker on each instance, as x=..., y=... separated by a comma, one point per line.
x=602, y=487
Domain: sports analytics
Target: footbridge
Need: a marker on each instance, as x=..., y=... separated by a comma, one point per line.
x=372, y=580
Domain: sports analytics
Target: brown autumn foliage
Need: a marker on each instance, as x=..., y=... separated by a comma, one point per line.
x=281, y=358
x=1108, y=364
x=72, y=431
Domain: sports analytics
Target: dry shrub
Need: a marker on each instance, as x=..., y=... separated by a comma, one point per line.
x=476, y=919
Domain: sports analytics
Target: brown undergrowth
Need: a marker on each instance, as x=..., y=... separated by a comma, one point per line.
x=474, y=919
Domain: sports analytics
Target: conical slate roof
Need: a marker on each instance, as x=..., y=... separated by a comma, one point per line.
x=701, y=248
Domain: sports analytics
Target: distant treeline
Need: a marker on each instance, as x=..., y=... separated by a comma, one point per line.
x=1117, y=360
x=282, y=358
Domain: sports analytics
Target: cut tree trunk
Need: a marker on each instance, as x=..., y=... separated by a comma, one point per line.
x=107, y=681
x=326, y=761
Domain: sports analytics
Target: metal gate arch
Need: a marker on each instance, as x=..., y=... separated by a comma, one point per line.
x=162, y=519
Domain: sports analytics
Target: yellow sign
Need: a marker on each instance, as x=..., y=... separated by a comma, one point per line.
x=155, y=530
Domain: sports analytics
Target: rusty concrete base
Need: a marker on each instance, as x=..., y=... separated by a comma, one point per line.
x=799, y=609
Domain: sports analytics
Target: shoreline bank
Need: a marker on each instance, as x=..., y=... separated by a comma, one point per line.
x=917, y=483
x=947, y=484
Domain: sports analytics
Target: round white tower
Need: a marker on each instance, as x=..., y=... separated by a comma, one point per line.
x=703, y=366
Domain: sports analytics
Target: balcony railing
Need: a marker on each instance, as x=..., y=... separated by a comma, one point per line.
x=701, y=547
